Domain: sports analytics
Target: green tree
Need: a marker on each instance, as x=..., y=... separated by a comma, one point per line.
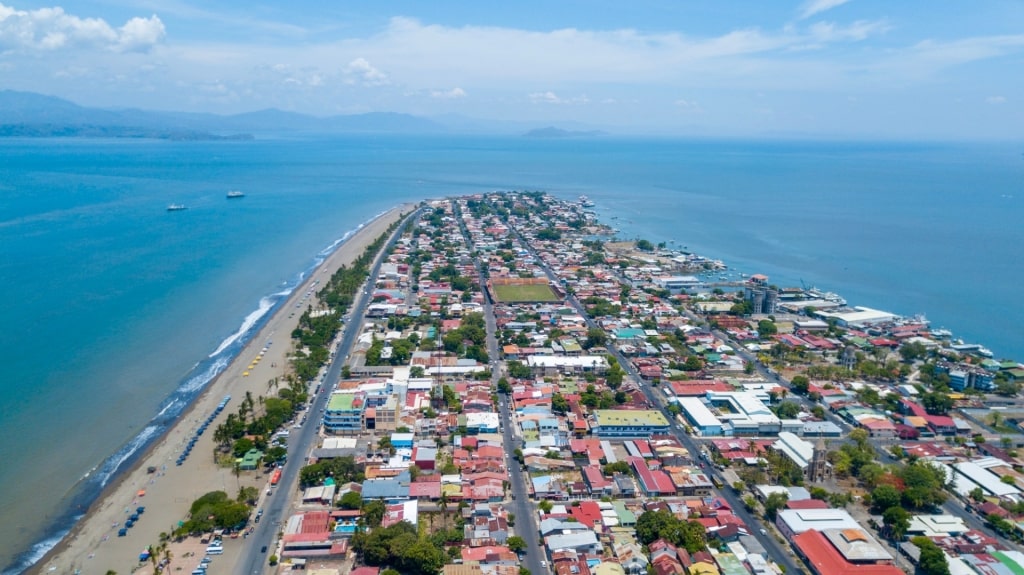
x=504, y=386
x=936, y=403
x=766, y=328
x=1007, y=388
x=545, y=506
x=351, y=500
x=977, y=495
x=773, y=503
x=518, y=370
x=373, y=513
x=615, y=376
x=516, y=544
x=559, y=404
x=693, y=363
x=595, y=337
x=897, y=522
x=885, y=497
x=787, y=409
x=800, y=384
x=932, y=560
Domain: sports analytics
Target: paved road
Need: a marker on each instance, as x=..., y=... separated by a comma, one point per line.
x=252, y=560
x=777, y=553
x=521, y=506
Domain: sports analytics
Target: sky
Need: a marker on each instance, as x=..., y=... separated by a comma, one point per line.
x=910, y=69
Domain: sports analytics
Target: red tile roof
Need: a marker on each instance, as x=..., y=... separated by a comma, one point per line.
x=825, y=559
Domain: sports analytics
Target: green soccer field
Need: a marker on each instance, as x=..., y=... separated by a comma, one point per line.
x=524, y=293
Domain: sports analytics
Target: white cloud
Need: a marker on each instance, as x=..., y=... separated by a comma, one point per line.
x=859, y=30
x=812, y=7
x=547, y=97
x=140, y=34
x=995, y=100
x=452, y=94
x=50, y=29
x=688, y=106
x=552, y=98
x=360, y=71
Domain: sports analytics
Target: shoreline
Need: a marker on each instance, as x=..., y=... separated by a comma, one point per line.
x=91, y=545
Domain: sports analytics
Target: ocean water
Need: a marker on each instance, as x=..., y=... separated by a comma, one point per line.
x=118, y=312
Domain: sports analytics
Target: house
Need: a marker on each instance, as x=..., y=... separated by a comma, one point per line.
x=629, y=423
x=579, y=541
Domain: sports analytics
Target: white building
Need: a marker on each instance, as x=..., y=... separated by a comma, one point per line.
x=796, y=521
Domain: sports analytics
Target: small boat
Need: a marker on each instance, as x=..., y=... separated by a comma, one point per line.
x=235, y=194
x=176, y=207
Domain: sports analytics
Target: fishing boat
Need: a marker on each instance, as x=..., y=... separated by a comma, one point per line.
x=176, y=207
x=235, y=194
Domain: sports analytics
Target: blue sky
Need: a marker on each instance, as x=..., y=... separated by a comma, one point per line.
x=856, y=68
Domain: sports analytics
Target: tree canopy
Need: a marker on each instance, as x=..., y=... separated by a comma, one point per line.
x=662, y=524
x=399, y=546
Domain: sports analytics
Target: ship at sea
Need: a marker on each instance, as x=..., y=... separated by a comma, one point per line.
x=176, y=207
x=235, y=194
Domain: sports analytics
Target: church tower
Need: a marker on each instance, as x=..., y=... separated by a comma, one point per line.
x=817, y=471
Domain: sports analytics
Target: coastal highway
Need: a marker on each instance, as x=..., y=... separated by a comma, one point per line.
x=521, y=505
x=252, y=561
x=778, y=554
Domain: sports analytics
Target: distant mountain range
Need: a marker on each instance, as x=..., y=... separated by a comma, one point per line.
x=28, y=114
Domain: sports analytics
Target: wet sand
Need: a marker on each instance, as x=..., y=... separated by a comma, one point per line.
x=93, y=545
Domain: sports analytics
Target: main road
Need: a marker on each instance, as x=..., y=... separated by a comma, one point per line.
x=253, y=560
x=522, y=507
x=777, y=553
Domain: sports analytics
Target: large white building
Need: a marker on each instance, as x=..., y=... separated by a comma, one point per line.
x=554, y=364
x=745, y=413
x=858, y=317
x=798, y=450
x=796, y=521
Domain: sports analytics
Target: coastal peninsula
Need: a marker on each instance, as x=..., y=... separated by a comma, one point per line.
x=515, y=391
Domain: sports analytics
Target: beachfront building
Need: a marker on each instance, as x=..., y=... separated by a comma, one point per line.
x=676, y=284
x=629, y=423
x=344, y=413
x=857, y=317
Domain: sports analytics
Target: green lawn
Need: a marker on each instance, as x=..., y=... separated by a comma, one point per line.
x=524, y=293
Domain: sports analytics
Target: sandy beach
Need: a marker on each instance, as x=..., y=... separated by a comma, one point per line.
x=93, y=546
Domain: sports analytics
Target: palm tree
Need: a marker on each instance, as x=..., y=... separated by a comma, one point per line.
x=995, y=419
x=443, y=504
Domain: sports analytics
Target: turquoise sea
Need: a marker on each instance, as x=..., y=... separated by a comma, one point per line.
x=117, y=312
